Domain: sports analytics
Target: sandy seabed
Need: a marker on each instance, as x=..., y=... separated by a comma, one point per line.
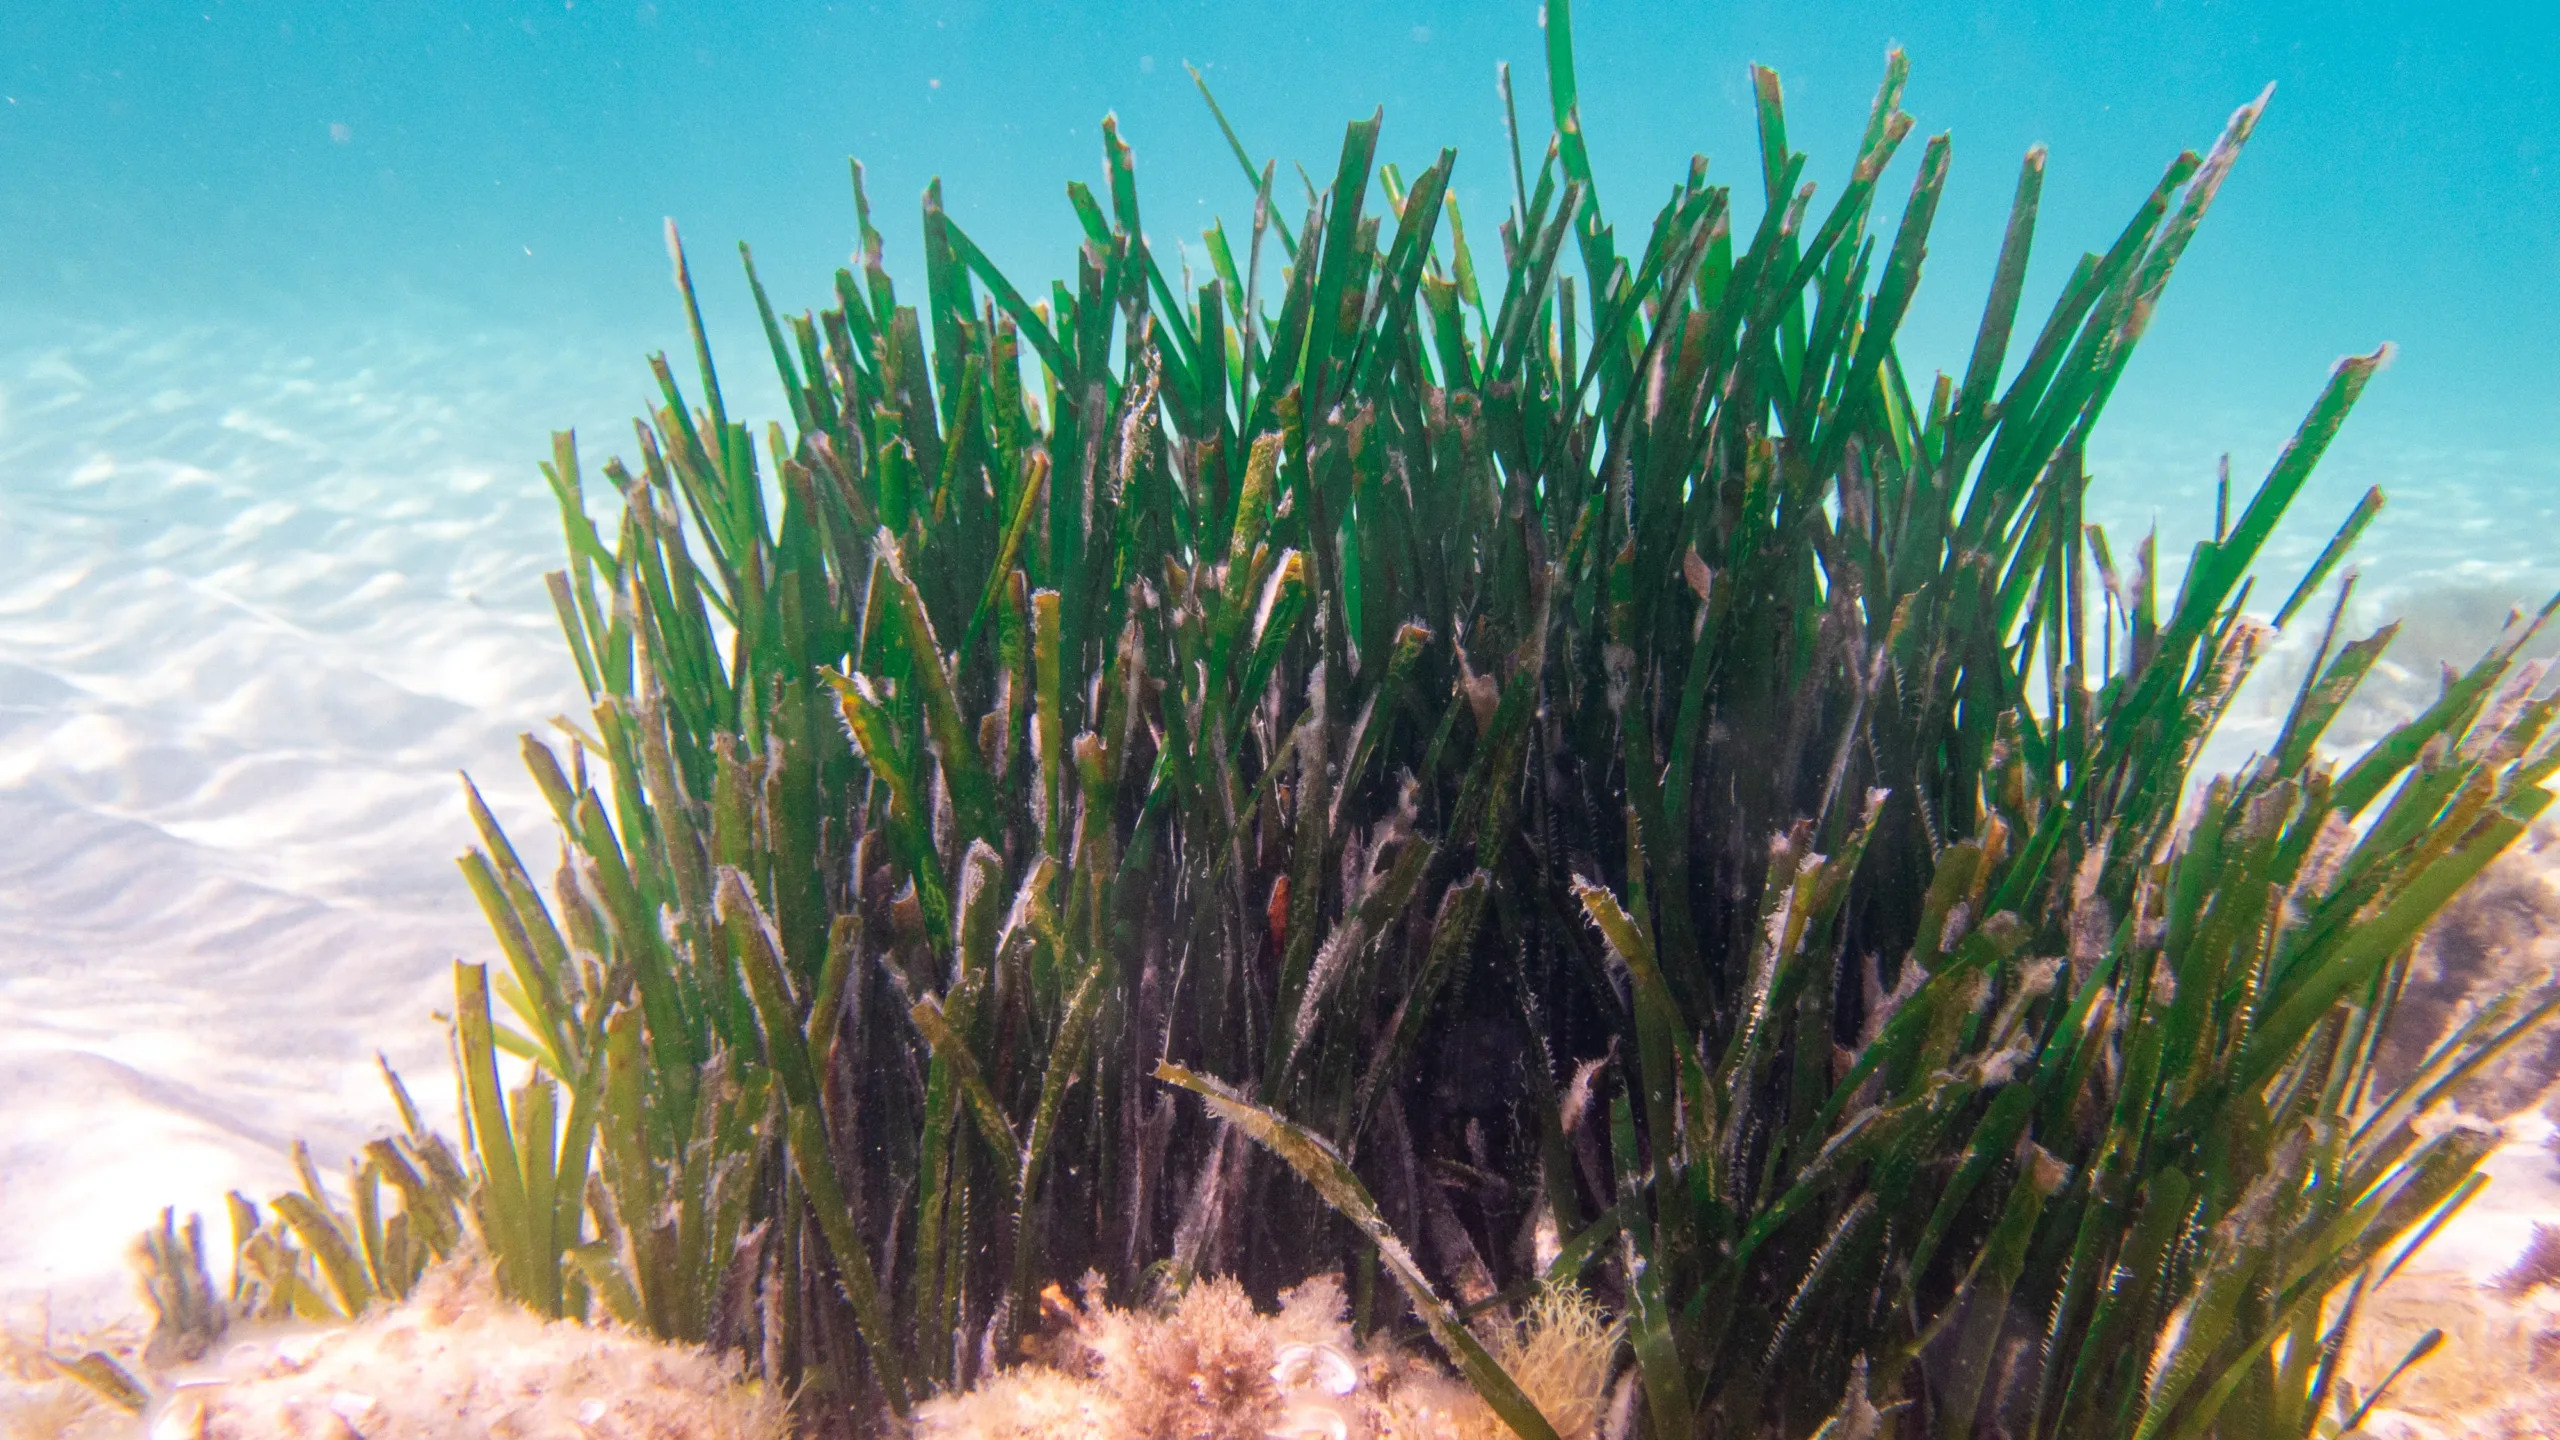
x=262, y=595
x=259, y=602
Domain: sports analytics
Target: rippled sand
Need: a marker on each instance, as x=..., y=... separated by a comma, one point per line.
x=256, y=609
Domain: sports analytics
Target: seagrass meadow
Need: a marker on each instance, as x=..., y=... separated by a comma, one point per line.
x=1476, y=767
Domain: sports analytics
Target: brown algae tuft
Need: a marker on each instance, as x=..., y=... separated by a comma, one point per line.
x=1210, y=1366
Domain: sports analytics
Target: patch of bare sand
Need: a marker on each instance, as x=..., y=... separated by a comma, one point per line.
x=2497, y=1374
x=2495, y=1377
x=38, y=1401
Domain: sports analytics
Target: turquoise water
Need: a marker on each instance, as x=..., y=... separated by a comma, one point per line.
x=291, y=294
x=483, y=164
x=424, y=172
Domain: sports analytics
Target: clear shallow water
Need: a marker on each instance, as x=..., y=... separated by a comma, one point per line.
x=291, y=294
x=516, y=157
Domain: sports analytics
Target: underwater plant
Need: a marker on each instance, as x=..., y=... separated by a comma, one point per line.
x=1569, y=771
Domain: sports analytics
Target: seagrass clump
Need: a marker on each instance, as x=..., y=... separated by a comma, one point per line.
x=1482, y=766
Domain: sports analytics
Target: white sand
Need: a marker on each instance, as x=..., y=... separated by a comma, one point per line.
x=258, y=604
x=2524, y=1190
x=242, y=654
